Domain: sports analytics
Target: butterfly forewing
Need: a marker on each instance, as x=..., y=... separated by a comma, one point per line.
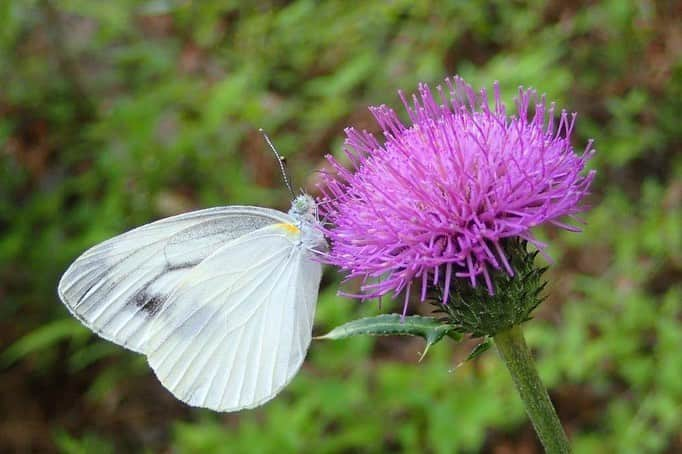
x=117, y=287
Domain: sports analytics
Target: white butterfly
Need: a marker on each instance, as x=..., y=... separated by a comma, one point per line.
x=221, y=301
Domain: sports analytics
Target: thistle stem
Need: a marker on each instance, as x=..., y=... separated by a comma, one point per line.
x=513, y=350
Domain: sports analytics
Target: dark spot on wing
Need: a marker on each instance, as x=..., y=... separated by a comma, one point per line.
x=180, y=266
x=151, y=304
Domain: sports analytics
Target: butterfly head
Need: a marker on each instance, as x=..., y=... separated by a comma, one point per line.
x=304, y=208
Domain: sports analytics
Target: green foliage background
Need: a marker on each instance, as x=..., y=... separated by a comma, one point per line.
x=116, y=113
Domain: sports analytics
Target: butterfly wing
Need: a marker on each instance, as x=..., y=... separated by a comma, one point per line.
x=237, y=329
x=117, y=287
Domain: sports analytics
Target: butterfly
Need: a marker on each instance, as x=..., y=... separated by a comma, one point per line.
x=221, y=301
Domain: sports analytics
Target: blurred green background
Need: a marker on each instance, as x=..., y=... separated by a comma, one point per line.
x=113, y=114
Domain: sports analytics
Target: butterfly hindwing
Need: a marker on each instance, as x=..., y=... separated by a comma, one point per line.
x=238, y=327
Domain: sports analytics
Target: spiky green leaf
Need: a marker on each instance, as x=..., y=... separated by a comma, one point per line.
x=480, y=349
x=429, y=328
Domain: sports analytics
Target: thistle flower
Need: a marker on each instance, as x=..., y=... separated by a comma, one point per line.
x=438, y=198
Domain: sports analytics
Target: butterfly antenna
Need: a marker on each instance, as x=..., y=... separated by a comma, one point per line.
x=280, y=160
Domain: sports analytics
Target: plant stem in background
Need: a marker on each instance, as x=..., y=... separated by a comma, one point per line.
x=513, y=350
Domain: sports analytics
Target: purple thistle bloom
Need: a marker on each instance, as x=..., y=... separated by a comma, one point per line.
x=436, y=199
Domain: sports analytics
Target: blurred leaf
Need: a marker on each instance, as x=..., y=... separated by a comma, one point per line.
x=154, y=7
x=86, y=444
x=43, y=338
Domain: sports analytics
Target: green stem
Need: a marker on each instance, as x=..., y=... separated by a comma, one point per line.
x=513, y=350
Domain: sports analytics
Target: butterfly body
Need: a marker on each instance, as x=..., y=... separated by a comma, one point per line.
x=221, y=301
